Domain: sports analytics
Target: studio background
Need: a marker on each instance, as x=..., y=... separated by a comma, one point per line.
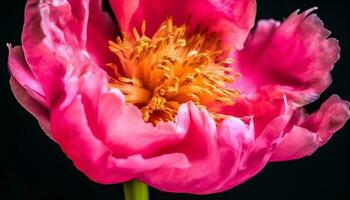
x=32, y=167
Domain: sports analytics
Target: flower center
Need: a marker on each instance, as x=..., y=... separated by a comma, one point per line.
x=158, y=74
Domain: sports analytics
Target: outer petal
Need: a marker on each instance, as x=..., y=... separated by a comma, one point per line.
x=210, y=164
x=26, y=88
x=231, y=18
x=52, y=30
x=260, y=152
x=263, y=105
x=53, y=33
x=297, y=143
x=20, y=70
x=223, y=157
x=40, y=112
x=93, y=157
x=66, y=38
x=294, y=58
x=312, y=131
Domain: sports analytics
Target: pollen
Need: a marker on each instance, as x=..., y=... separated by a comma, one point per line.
x=174, y=66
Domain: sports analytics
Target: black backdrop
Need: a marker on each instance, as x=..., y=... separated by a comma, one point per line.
x=33, y=167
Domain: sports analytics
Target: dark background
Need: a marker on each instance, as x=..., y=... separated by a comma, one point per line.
x=33, y=167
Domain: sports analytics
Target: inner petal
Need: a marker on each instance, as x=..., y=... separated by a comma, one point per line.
x=172, y=67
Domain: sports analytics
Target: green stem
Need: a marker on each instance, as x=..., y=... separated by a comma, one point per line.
x=135, y=190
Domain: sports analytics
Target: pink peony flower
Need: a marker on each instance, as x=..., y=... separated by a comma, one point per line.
x=176, y=101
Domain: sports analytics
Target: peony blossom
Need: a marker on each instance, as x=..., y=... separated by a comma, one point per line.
x=187, y=99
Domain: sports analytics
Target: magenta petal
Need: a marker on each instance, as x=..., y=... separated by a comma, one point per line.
x=26, y=88
x=297, y=143
x=295, y=56
x=39, y=111
x=223, y=156
x=54, y=42
x=252, y=152
x=328, y=119
x=208, y=164
x=312, y=131
x=100, y=29
x=20, y=71
x=233, y=19
x=122, y=128
x=51, y=37
x=94, y=130
x=90, y=155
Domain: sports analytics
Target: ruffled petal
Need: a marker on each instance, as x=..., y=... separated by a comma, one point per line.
x=55, y=41
x=297, y=143
x=293, y=58
x=309, y=132
x=96, y=159
x=233, y=19
x=328, y=119
x=53, y=34
x=255, y=156
x=263, y=105
x=210, y=165
x=92, y=126
x=224, y=155
x=122, y=128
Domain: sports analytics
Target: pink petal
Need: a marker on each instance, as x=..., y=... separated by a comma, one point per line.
x=52, y=34
x=90, y=155
x=20, y=71
x=264, y=146
x=262, y=105
x=212, y=158
x=38, y=110
x=328, y=119
x=100, y=29
x=26, y=88
x=122, y=128
x=223, y=156
x=55, y=41
x=294, y=57
x=93, y=129
x=233, y=19
x=297, y=143
x=312, y=131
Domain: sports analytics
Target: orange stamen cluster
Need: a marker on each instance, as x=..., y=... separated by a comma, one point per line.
x=158, y=74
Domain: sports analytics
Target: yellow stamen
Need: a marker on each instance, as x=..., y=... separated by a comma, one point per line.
x=158, y=74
